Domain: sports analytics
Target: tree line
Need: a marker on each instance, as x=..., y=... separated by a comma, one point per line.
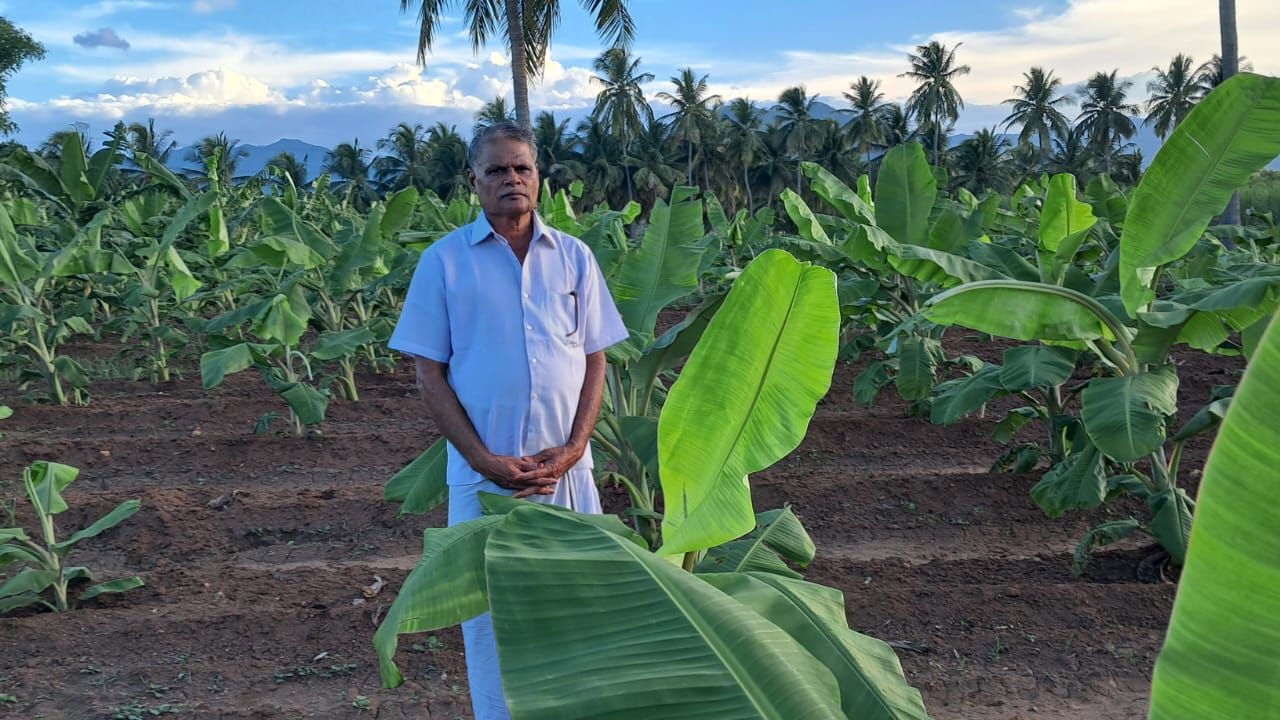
x=748, y=152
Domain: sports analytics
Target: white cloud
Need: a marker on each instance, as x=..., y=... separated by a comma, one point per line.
x=205, y=7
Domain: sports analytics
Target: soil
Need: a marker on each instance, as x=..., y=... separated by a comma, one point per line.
x=254, y=550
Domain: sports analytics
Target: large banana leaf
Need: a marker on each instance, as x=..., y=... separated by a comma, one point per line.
x=905, y=192
x=1042, y=312
x=1219, y=660
x=1124, y=416
x=872, y=686
x=745, y=397
x=447, y=587
x=590, y=625
x=1231, y=134
x=663, y=268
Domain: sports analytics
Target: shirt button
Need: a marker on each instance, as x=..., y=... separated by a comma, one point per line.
x=534, y=396
x=528, y=327
x=533, y=360
x=526, y=296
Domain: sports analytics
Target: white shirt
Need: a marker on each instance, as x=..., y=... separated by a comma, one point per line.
x=515, y=336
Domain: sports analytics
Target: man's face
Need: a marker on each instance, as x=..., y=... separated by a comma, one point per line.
x=505, y=178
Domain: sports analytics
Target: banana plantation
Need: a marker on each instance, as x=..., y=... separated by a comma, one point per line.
x=877, y=447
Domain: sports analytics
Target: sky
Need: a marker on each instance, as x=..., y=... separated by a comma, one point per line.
x=326, y=72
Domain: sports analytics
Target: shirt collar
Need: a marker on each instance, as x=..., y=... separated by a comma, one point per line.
x=482, y=230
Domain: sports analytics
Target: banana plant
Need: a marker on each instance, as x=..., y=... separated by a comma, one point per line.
x=33, y=321
x=1230, y=135
x=161, y=283
x=45, y=560
x=1218, y=658
x=891, y=255
x=709, y=625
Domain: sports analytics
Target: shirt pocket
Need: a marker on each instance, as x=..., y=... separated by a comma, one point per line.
x=565, y=321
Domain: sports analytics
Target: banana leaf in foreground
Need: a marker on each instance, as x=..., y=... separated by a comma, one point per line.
x=1219, y=660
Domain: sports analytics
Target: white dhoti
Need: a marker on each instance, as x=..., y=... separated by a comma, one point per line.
x=576, y=491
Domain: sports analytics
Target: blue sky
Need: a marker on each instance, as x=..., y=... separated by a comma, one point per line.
x=328, y=71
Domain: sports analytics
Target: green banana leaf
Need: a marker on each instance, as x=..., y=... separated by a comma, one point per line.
x=1064, y=219
x=806, y=222
x=872, y=686
x=1032, y=366
x=958, y=398
x=122, y=512
x=1124, y=416
x=663, y=268
x=335, y=344
x=778, y=534
x=308, y=403
x=1044, y=312
x=905, y=193
x=590, y=625
x=917, y=366
x=217, y=364
x=1230, y=135
x=1076, y=483
x=745, y=397
x=422, y=485
x=445, y=588
x=838, y=195
x=1219, y=659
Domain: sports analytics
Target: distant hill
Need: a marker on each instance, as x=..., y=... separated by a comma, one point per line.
x=259, y=155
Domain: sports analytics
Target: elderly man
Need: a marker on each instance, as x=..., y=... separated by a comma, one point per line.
x=507, y=321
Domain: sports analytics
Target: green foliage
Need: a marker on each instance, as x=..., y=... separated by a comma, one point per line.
x=44, y=561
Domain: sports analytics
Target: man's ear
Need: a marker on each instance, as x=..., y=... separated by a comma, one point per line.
x=471, y=180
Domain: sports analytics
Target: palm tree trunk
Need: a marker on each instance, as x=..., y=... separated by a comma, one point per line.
x=746, y=182
x=937, y=142
x=1230, y=66
x=519, y=63
x=689, y=169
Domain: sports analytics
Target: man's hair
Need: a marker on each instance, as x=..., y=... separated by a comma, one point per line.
x=505, y=130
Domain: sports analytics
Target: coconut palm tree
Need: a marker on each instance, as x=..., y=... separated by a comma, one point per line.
x=621, y=105
x=446, y=160
x=1071, y=154
x=602, y=154
x=653, y=157
x=834, y=150
x=1035, y=109
x=866, y=103
x=145, y=139
x=935, y=101
x=494, y=112
x=527, y=26
x=691, y=116
x=1106, y=116
x=744, y=141
x=982, y=163
x=403, y=160
x=897, y=125
x=1210, y=74
x=286, y=164
x=350, y=163
x=557, y=163
x=1174, y=92
x=219, y=149
x=797, y=124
